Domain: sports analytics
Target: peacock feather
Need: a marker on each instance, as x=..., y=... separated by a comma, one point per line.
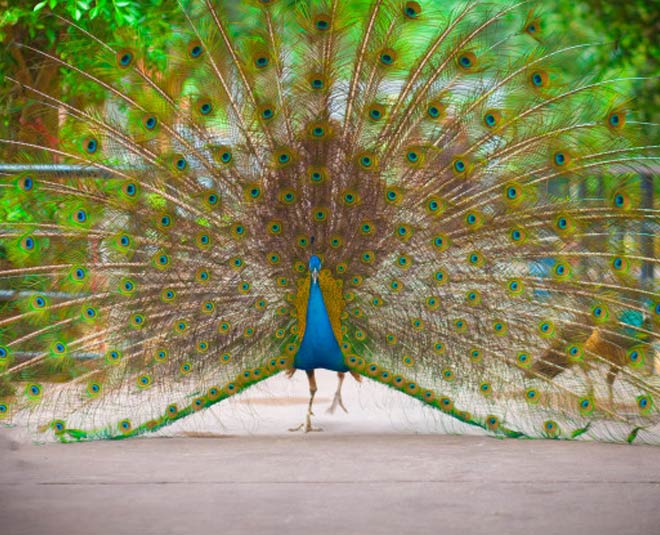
x=422, y=196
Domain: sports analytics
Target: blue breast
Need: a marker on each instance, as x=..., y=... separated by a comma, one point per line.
x=319, y=348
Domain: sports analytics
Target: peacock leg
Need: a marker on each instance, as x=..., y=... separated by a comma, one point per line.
x=308, y=419
x=611, y=377
x=337, y=399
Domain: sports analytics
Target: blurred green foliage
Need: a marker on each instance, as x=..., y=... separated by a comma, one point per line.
x=628, y=32
x=626, y=35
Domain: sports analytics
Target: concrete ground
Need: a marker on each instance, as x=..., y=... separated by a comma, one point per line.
x=368, y=472
x=322, y=483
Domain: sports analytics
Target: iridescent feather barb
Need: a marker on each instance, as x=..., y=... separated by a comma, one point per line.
x=409, y=193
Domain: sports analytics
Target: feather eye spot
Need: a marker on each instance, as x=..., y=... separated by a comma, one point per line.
x=539, y=79
x=130, y=189
x=320, y=215
x=551, y=428
x=322, y=23
x=440, y=277
x=475, y=355
x=144, y=381
x=113, y=356
x=616, y=120
x=387, y=57
x=26, y=184
x=79, y=274
x=196, y=51
x=466, y=61
x=367, y=257
x=412, y=10
x=150, y=122
x=546, y=329
x=441, y=242
x=645, y=404
x=434, y=112
x=33, y=391
x=125, y=59
x=317, y=83
x=261, y=62
x=375, y=114
x=81, y=216
x=238, y=230
x=225, y=156
x=350, y=198
x=448, y=374
x=492, y=118
x=404, y=261
x=621, y=200
x=91, y=145
x=586, y=406
x=560, y=159
x=635, y=358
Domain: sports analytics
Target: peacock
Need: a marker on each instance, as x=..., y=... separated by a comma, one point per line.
x=429, y=195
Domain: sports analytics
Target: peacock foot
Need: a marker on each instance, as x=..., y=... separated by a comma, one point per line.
x=306, y=426
x=336, y=401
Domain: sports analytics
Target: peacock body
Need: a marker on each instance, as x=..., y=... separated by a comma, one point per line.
x=392, y=189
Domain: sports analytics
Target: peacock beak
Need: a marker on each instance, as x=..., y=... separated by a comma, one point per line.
x=315, y=275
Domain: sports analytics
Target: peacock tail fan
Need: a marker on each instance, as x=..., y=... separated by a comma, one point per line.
x=441, y=164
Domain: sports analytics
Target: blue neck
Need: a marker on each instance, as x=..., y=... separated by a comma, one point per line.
x=319, y=347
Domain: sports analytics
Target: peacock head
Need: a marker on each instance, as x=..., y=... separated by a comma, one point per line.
x=314, y=267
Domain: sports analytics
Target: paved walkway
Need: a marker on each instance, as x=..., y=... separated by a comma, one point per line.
x=326, y=483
